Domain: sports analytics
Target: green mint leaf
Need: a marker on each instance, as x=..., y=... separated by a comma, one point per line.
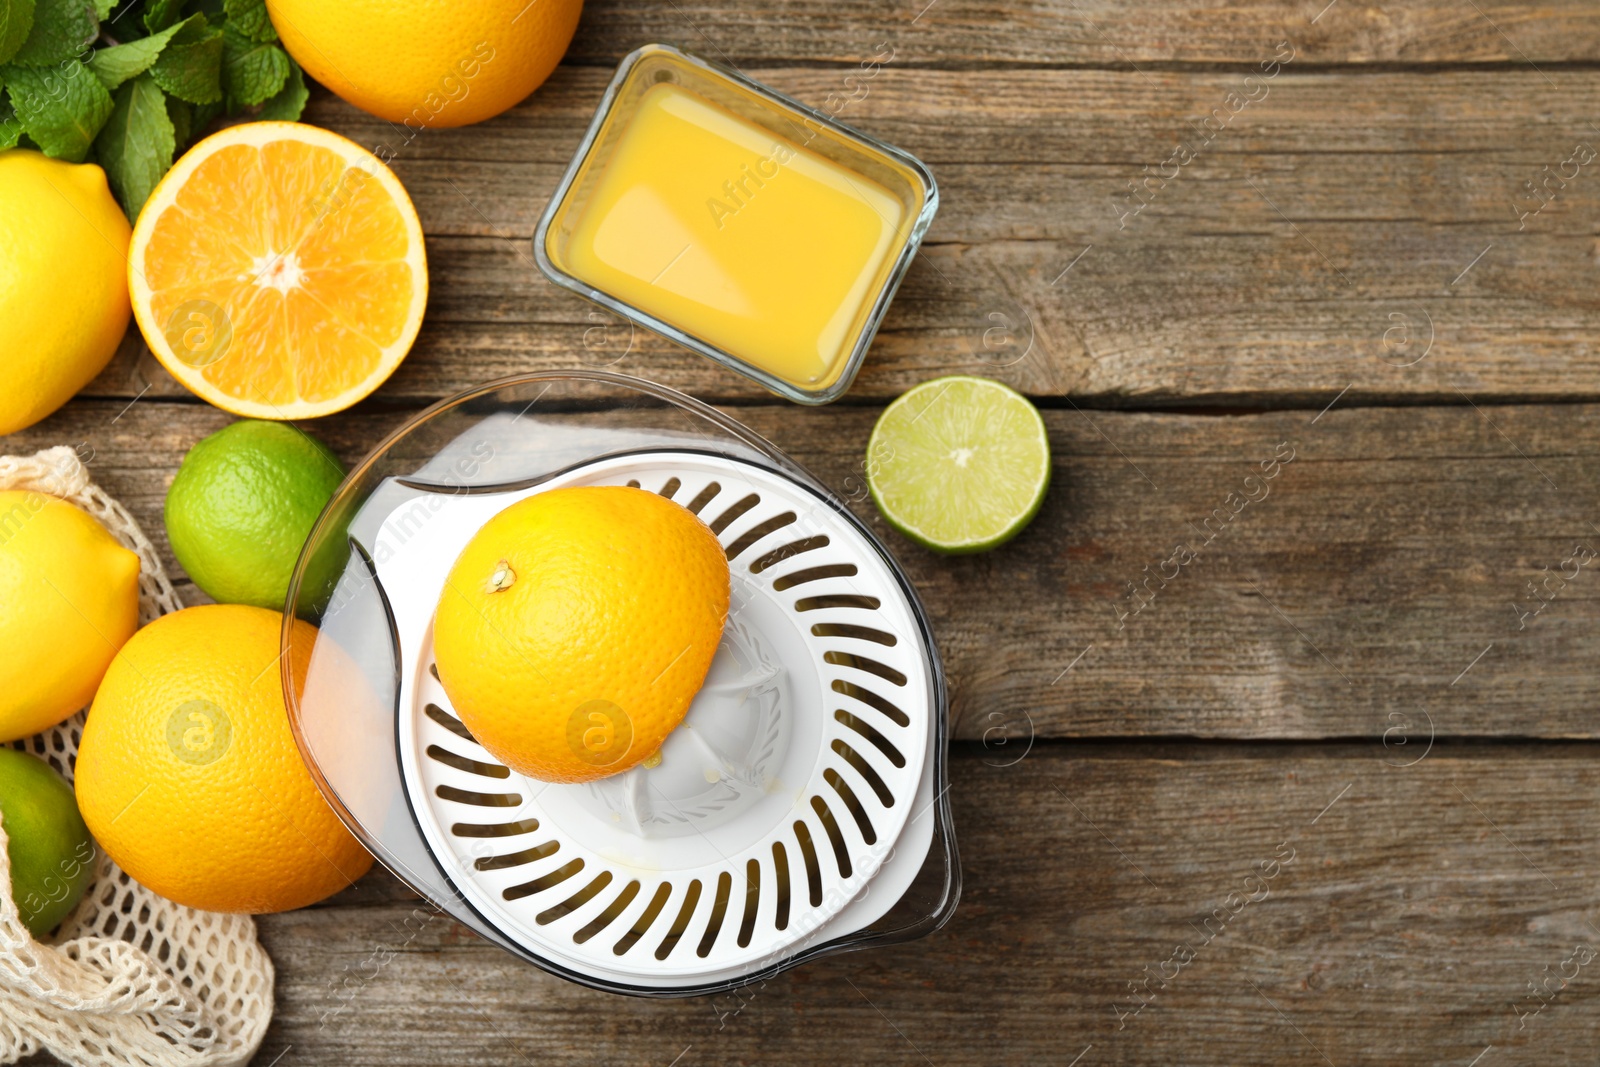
x=203, y=114
x=137, y=144
x=191, y=29
x=117, y=64
x=159, y=14
x=252, y=71
x=189, y=67
x=102, y=8
x=16, y=19
x=181, y=114
x=62, y=30
x=249, y=18
x=289, y=102
x=10, y=125
x=61, y=108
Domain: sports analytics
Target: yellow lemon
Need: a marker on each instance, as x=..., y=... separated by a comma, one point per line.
x=188, y=774
x=69, y=599
x=576, y=627
x=63, y=282
x=428, y=63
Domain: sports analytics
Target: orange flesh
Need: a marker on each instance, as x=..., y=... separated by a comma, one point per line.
x=306, y=257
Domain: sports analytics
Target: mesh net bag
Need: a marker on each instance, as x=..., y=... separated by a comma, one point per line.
x=130, y=978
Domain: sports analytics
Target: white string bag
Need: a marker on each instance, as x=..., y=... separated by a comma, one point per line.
x=131, y=979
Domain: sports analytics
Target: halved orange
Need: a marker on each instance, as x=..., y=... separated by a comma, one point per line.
x=278, y=271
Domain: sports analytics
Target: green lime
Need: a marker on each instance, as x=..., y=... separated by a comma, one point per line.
x=959, y=464
x=52, y=855
x=241, y=506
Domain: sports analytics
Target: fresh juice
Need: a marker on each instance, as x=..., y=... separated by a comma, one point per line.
x=749, y=241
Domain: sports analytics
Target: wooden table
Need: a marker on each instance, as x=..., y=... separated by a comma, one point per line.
x=1376, y=251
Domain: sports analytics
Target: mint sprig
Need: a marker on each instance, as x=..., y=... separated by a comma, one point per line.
x=190, y=66
x=61, y=32
x=16, y=22
x=61, y=108
x=10, y=125
x=248, y=18
x=252, y=71
x=119, y=62
x=129, y=83
x=138, y=140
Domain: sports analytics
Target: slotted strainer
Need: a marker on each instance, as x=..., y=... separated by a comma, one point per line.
x=795, y=811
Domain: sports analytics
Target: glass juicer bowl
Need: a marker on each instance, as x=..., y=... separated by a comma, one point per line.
x=799, y=810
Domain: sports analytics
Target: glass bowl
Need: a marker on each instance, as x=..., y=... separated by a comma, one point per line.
x=904, y=200
x=828, y=674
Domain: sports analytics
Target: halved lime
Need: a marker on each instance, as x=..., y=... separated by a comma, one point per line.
x=959, y=464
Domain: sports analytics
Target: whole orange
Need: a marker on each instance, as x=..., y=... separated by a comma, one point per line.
x=429, y=63
x=576, y=627
x=189, y=777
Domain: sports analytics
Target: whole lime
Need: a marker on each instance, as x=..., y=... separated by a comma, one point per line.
x=241, y=507
x=52, y=855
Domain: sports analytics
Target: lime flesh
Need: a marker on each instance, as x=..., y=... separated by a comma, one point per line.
x=959, y=464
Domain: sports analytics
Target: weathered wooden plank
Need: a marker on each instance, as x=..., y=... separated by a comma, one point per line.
x=1344, y=230
x=1399, y=917
x=1392, y=553
x=1097, y=32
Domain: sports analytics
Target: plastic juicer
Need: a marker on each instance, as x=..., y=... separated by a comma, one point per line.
x=799, y=810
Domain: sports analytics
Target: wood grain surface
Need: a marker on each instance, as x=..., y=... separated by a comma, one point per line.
x=1205, y=237
x=1344, y=231
x=1362, y=578
x=1406, y=912
x=1102, y=33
